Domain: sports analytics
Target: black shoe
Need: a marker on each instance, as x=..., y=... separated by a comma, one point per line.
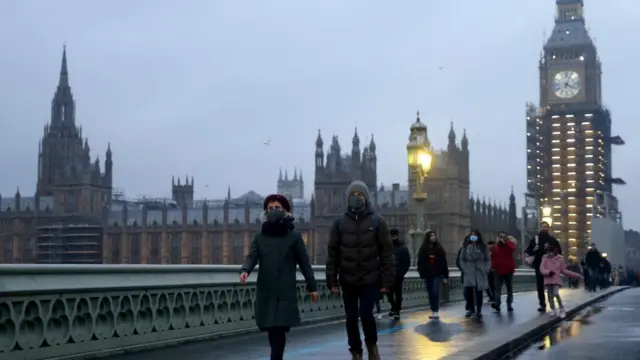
x=396, y=316
x=509, y=308
x=495, y=307
x=392, y=313
x=372, y=351
x=469, y=314
x=542, y=309
x=479, y=315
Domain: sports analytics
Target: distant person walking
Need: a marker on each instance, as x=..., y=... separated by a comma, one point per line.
x=551, y=266
x=475, y=262
x=278, y=249
x=491, y=278
x=593, y=262
x=534, y=253
x=575, y=267
x=433, y=269
x=403, y=263
x=360, y=261
x=503, y=264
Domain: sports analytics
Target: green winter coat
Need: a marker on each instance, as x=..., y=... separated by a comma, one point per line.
x=276, y=290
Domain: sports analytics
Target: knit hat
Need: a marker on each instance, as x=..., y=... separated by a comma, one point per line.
x=279, y=198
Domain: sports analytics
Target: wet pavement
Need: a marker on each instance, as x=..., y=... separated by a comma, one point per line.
x=607, y=330
x=412, y=338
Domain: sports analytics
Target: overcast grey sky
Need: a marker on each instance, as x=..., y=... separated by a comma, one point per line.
x=196, y=87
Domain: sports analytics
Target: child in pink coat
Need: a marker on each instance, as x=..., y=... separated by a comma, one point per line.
x=551, y=267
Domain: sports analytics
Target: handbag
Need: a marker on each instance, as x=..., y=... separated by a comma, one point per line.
x=528, y=259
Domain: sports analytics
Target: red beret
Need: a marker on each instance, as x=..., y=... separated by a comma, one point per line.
x=279, y=198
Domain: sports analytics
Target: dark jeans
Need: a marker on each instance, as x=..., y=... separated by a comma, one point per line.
x=464, y=293
x=594, y=279
x=540, y=288
x=359, y=301
x=507, y=280
x=491, y=290
x=473, y=297
x=394, y=296
x=433, y=290
x=277, y=341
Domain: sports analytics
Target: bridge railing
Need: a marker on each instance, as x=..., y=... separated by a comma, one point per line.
x=60, y=311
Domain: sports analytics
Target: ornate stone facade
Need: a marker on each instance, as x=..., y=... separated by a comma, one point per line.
x=450, y=210
x=75, y=217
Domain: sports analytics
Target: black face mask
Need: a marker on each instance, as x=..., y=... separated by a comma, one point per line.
x=275, y=216
x=356, y=203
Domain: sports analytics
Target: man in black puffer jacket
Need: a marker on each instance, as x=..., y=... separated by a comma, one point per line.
x=360, y=261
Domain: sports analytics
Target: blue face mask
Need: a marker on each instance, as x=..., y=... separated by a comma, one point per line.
x=473, y=238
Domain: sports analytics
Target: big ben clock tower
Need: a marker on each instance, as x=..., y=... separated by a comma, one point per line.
x=569, y=134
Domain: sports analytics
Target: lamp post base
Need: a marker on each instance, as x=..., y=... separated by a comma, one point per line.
x=417, y=234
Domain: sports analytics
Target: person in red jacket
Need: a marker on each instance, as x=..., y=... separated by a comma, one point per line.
x=503, y=265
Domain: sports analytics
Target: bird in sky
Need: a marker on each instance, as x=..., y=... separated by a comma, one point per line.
x=440, y=68
x=268, y=142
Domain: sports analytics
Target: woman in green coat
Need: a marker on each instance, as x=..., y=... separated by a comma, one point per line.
x=278, y=249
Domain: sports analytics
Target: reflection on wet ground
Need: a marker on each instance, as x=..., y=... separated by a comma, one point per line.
x=608, y=330
x=562, y=332
x=569, y=328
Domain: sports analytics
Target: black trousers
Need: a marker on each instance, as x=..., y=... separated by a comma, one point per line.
x=491, y=290
x=394, y=296
x=507, y=281
x=464, y=293
x=277, y=341
x=540, y=288
x=473, y=298
x=359, y=301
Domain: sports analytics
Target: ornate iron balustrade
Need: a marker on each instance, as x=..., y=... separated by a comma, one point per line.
x=65, y=311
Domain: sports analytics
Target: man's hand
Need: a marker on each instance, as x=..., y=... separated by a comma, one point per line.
x=335, y=290
x=243, y=277
x=383, y=290
x=551, y=273
x=314, y=296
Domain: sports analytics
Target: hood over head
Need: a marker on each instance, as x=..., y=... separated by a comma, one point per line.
x=359, y=186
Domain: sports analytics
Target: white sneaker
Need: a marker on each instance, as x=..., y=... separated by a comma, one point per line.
x=553, y=313
x=562, y=313
x=434, y=315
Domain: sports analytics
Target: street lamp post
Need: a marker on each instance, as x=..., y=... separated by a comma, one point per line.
x=420, y=158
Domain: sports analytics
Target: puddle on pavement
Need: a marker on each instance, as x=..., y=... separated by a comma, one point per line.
x=563, y=331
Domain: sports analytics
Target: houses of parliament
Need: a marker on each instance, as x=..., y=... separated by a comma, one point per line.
x=76, y=217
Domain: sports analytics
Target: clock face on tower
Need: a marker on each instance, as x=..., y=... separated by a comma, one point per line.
x=566, y=84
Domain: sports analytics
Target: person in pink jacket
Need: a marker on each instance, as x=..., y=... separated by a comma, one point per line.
x=551, y=267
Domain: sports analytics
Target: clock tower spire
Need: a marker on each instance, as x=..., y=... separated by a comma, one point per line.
x=570, y=70
x=569, y=139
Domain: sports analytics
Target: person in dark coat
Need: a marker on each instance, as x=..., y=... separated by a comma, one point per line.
x=534, y=252
x=433, y=269
x=278, y=249
x=491, y=290
x=592, y=262
x=403, y=263
x=360, y=261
